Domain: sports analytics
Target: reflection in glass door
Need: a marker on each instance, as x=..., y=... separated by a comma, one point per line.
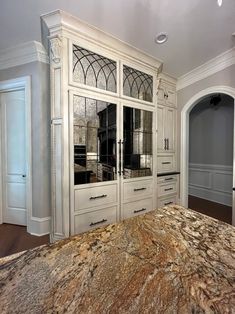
x=95, y=141
x=94, y=134
x=137, y=144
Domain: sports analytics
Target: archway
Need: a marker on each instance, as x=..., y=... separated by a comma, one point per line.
x=184, y=158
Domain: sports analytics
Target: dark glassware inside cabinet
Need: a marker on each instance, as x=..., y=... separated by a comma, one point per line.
x=94, y=133
x=137, y=144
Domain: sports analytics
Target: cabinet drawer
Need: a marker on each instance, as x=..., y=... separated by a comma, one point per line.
x=95, y=196
x=138, y=189
x=95, y=219
x=167, y=179
x=165, y=163
x=168, y=188
x=167, y=201
x=137, y=208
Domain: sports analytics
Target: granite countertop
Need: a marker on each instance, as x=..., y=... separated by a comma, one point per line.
x=171, y=260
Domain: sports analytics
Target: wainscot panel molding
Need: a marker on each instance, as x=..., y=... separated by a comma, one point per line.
x=211, y=182
x=40, y=226
x=21, y=54
x=211, y=67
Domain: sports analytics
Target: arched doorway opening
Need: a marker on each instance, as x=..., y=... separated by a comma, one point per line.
x=184, y=162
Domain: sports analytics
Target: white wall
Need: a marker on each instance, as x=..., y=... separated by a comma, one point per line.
x=41, y=191
x=211, y=132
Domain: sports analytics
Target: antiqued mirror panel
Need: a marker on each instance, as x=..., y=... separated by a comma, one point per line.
x=137, y=84
x=137, y=145
x=92, y=69
x=94, y=140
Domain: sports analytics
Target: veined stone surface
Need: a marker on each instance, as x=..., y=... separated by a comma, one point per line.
x=171, y=260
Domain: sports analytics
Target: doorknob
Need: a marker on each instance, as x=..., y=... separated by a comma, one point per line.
x=23, y=175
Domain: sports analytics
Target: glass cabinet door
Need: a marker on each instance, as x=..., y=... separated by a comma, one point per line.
x=137, y=144
x=137, y=84
x=94, y=134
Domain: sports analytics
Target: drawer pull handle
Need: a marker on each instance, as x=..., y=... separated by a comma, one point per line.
x=169, y=189
x=168, y=203
x=140, y=189
x=166, y=163
x=168, y=179
x=139, y=210
x=97, y=222
x=99, y=196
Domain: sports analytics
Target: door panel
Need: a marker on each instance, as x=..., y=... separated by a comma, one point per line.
x=160, y=129
x=170, y=128
x=137, y=142
x=14, y=157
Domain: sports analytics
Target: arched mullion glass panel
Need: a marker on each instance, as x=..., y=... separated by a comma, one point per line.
x=137, y=84
x=94, y=70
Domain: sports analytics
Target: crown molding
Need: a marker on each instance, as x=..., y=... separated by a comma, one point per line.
x=168, y=78
x=59, y=20
x=22, y=54
x=219, y=63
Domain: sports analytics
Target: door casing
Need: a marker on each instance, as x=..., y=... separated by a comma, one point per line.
x=11, y=85
x=184, y=156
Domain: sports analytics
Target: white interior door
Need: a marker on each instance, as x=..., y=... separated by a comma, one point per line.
x=13, y=121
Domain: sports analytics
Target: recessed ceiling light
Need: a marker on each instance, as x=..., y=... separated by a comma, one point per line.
x=219, y=2
x=161, y=38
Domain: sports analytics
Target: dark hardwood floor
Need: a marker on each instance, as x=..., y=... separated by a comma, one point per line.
x=215, y=210
x=15, y=239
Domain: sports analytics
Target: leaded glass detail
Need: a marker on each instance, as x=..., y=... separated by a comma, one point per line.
x=92, y=69
x=94, y=130
x=137, y=84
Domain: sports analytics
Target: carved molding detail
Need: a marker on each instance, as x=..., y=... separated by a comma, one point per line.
x=56, y=47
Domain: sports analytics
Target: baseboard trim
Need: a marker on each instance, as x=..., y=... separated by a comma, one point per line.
x=39, y=226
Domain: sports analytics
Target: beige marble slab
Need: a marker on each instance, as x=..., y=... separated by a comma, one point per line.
x=171, y=260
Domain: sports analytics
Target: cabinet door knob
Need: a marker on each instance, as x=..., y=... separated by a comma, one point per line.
x=99, y=196
x=139, y=189
x=169, y=189
x=168, y=203
x=97, y=222
x=139, y=210
x=165, y=144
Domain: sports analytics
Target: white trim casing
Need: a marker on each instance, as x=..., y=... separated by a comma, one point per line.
x=219, y=63
x=22, y=54
x=184, y=156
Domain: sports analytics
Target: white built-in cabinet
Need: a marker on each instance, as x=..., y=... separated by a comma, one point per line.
x=168, y=178
x=104, y=127
x=166, y=125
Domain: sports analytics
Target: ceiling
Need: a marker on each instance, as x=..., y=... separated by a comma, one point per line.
x=198, y=29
